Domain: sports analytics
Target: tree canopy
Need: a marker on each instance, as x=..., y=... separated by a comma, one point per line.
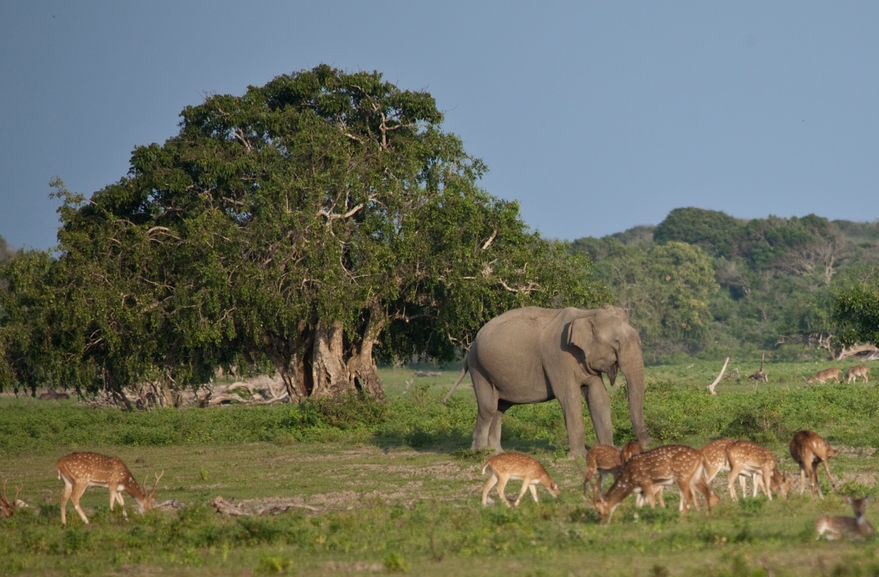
x=782, y=284
x=308, y=226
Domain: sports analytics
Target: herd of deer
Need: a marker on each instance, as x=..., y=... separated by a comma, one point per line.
x=646, y=473
x=851, y=375
x=643, y=473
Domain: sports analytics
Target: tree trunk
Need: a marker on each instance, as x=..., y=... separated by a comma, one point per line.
x=328, y=367
x=294, y=376
x=361, y=366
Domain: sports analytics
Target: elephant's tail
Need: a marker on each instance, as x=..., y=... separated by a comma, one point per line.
x=464, y=370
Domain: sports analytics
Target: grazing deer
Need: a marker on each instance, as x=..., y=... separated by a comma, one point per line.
x=716, y=461
x=606, y=460
x=506, y=466
x=808, y=449
x=824, y=376
x=856, y=527
x=851, y=375
x=657, y=467
x=747, y=458
x=79, y=471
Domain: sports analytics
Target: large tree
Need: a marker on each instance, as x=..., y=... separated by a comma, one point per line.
x=293, y=226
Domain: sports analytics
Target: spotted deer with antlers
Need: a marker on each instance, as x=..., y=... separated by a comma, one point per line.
x=79, y=471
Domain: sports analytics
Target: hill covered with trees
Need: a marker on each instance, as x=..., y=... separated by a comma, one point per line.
x=703, y=282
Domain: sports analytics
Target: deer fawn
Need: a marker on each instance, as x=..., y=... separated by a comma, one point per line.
x=851, y=375
x=606, y=460
x=79, y=471
x=746, y=458
x=856, y=527
x=506, y=466
x=651, y=470
x=808, y=449
x=824, y=376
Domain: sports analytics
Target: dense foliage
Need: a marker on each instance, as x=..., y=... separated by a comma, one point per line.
x=310, y=226
x=792, y=287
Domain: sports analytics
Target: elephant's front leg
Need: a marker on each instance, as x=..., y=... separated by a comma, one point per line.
x=598, y=401
x=572, y=409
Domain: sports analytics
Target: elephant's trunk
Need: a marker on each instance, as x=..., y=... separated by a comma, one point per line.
x=631, y=363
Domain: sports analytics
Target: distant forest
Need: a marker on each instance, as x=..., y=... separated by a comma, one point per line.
x=705, y=283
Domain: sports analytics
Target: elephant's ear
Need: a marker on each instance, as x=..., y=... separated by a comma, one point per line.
x=580, y=334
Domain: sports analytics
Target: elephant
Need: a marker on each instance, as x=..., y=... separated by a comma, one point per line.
x=534, y=354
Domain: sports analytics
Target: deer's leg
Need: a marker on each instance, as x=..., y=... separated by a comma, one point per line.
x=501, y=485
x=533, y=489
x=829, y=476
x=767, y=483
x=65, y=496
x=649, y=491
x=526, y=483
x=734, y=472
x=77, y=493
x=488, y=485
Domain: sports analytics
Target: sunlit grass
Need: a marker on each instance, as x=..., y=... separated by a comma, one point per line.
x=395, y=489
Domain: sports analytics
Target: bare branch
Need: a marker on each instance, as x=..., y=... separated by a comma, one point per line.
x=719, y=377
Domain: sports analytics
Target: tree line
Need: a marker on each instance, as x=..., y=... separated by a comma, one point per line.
x=702, y=282
x=325, y=222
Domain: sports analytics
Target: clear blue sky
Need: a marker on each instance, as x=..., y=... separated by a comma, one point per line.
x=596, y=116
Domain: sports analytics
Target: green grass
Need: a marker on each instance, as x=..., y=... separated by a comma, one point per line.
x=394, y=489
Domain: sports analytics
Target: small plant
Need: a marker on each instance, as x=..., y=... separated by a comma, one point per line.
x=274, y=564
x=395, y=563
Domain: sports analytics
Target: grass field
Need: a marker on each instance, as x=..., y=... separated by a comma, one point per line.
x=359, y=488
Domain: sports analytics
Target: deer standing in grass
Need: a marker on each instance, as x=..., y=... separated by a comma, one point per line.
x=824, y=376
x=506, y=466
x=856, y=527
x=649, y=471
x=79, y=471
x=808, y=449
x=606, y=460
x=716, y=461
x=747, y=458
x=851, y=375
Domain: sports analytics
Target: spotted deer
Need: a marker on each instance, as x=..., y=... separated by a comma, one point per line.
x=808, y=449
x=79, y=471
x=851, y=375
x=716, y=461
x=748, y=458
x=506, y=466
x=652, y=469
x=856, y=527
x=824, y=376
x=606, y=460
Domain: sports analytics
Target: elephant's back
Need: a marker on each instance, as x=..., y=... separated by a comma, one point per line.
x=522, y=318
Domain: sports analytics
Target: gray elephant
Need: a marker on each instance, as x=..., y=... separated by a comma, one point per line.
x=532, y=354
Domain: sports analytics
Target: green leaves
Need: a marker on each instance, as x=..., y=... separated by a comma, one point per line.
x=320, y=199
